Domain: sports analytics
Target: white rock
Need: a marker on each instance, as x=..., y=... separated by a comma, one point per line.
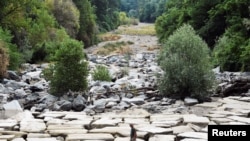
x=56, y=132
x=13, y=106
x=106, y=122
x=6, y=137
x=16, y=133
x=162, y=138
x=125, y=139
x=76, y=137
x=42, y=139
x=181, y=129
x=18, y=139
x=195, y=119
x=195, y=135
x=154, y=129
x=190, y=101
x=36, y=126
x=8, y=123
x=38, y=135
x=240, y=119
x=209, y=104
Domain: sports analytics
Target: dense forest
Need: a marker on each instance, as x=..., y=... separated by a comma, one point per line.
x=33, y=30
x=223, y=24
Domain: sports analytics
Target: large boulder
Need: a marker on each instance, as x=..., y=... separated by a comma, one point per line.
x=62, y=105
x=79, y=103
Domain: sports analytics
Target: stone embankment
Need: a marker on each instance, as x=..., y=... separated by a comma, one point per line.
x=168, y=125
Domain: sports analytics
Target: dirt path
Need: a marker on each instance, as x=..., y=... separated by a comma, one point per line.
x=141, y=43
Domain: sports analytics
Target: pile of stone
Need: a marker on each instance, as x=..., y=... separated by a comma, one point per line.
x=114, y=126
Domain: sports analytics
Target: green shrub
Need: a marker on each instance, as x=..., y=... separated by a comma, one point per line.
x=231, y=52
x=101, y=73
x=185, y=62
x=14, y=55
x=70, y=70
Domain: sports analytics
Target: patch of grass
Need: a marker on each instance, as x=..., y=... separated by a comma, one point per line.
x=101, y=73
x=109, y=37
x=115, y=47
x=151, y=48
x=141, y=30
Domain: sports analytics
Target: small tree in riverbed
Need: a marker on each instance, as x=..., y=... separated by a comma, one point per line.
x=185, y=61
x=70, y=70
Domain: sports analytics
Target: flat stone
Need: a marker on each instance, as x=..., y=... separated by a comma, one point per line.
x=56, y=121
x=8, y=123
x=37, y=125
x=77, y=137
x=221, y=120
x=17, y=139
x=234, y=123
x=181, y=129
x=195, y=135
x=81, y=116
x=7, y=137
x=78, y=122
x=42, y=139
x=195, y=119
x=125, y=139
x=67, y=132
x=226, y=113
x=103, y=122
x=38, y=135
x=162, y=138
x=215, y=115
x=65, y=127
x=136, y=121
x=129, y=113
x=53, y=114
x=240, y=119
x=188, y=139
x=245, y=99
x=154, y=129
x=235, y=104
x=165, y=123
x=190, y=101
x=209, y=104
x=166, y=117
x=16, y=133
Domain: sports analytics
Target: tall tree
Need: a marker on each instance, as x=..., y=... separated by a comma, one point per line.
x=107, y=12
x=87, y=31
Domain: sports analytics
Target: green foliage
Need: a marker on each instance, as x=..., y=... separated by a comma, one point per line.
x=145, y=10
x=4, y=60
x=124, y=20
x=11, y=49
x=66, y=14
x=107, y=13
x=101, y=73
x=70, y=69
x=185, y=61
x=87, y=31
x=232, y=52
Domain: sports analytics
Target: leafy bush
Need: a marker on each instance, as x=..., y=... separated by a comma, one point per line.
x=70, y=70
x=101, y=73
x=232, y=52
x=185, y=61
x=14, y=55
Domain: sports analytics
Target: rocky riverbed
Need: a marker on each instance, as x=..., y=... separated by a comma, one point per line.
x=103, y=113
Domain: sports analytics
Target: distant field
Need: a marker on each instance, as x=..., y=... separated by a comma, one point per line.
x=141, y=29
